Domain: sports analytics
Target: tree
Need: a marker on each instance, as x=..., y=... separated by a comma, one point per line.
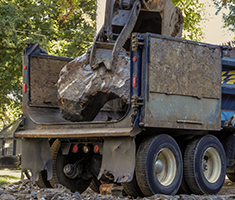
x=63, y=27
x=10, y=73
x=192, y=13
x=229, y=19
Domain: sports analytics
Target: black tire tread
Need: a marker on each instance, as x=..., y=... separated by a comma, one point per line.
x=184, y=188
x=95, y=185
x=140, y=166
x=189, y=156
x=231, y=176
x=195, y=179
x=54, y=151
x=132, y=189
x=183, y=142
x=42, y=182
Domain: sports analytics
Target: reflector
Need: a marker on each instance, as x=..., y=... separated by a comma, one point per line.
x=134, y=81
x=24, y=88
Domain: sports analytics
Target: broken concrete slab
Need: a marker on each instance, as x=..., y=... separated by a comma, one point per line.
x=83, y=91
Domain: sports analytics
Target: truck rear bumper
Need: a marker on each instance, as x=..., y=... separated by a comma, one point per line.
x=74, y=133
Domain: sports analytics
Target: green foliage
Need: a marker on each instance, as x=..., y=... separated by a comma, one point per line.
x=10, y=59
x=62, y=27
x=229, y=19
x=192, y=13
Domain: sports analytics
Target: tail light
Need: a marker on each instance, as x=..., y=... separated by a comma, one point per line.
x=24, y=87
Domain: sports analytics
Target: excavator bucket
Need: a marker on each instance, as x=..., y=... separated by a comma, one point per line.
x=122, y=17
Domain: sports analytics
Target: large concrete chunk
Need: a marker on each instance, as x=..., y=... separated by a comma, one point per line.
x=82, y=91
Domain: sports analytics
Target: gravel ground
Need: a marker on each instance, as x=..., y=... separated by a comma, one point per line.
x=23, y=190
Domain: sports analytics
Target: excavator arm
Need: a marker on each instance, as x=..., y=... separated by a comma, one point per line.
x=122, y=17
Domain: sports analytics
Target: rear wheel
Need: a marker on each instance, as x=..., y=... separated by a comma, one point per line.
x=182, y=142
x=132, y=189
x=95, y=185
x=205, y=165
x=42, y=180
x=159, y=166
x=59, y=161
x=231, y=176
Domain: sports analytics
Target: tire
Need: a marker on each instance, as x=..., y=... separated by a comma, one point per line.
x=95, y=185
x=231, y=176
x=159, y=166
x=131, y=188
x=182, y=142
x=42, y=180
x=205, y=165
x=58, y=176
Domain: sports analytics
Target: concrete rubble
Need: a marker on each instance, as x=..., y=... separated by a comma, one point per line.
x=27, y=190
x=24, y=190
x=83, y=91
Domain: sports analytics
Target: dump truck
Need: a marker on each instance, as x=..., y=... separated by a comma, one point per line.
x=175, y=135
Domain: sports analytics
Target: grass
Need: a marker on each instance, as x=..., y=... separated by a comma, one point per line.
x=7, y=179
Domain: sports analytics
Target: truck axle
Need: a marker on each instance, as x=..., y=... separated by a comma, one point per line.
x=71, y=171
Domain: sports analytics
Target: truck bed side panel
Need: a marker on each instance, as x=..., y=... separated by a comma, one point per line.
x=184, y=88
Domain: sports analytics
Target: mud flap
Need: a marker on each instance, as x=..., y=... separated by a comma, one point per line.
x=36, y=156
x=119, y=158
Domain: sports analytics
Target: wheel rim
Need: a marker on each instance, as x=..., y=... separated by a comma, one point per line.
x=165, y=166
x=211, y=165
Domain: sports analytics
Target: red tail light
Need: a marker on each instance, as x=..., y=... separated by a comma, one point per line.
x=134, y=81
x=96, y=148
x=24, y=88
x=134, y=59
x=75, y=148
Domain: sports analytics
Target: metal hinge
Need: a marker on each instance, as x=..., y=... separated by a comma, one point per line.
x=137, y=102
x=137, y=41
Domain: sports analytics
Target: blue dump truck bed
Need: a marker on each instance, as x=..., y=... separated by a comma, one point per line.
x=178, y=86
